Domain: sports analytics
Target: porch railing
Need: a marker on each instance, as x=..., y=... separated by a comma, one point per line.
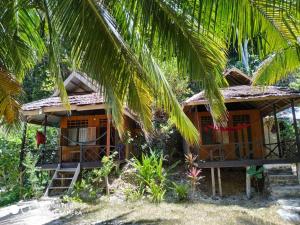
x=286, y=149
x=79, y=152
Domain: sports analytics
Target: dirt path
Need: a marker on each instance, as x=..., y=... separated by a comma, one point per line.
x=34, y=212
x=114, y=212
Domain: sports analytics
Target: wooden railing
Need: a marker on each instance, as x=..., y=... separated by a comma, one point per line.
x=249, y=150
x=82, y=153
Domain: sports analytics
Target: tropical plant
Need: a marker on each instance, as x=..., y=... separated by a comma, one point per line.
x=157, y=191
x=114, y=41
x=190, y=159
x=194, y=177
x=151, y=175
x=133, y=194
x=256, y=173
x=181, y=191
x=83, y=191
x=149, y=168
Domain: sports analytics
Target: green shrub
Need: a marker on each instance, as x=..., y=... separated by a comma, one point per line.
x=151, y=175
x=156, y=191
x=83, y=192
x=150, y=168
x=181, y=191
x=133, y=195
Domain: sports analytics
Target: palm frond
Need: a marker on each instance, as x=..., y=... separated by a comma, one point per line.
x=9, y=90
x=163, y=27
x=278, y=66
x=104, y=56
x=21, y=44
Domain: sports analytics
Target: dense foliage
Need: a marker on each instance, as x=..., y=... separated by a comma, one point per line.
x=34, y=181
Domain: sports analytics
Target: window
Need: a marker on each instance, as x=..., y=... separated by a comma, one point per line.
x=211, y=135
x=77, y=131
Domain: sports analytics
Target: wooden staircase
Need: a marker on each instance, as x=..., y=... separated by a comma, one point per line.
x=63, y=180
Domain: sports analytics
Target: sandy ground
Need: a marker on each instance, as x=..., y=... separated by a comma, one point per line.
x=112, y=211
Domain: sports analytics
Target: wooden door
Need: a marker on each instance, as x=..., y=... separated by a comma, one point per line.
x=242, y=136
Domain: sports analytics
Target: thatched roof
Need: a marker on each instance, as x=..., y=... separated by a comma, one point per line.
x=235, y=77
x=74, y=100
x=83, y=93
x=259, y=97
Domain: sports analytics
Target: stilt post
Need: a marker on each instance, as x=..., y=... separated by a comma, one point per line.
x=213, y=182
x=277, y=131
x=219, y=182
x=248, y=183
x=108, y=124
x=45, y=134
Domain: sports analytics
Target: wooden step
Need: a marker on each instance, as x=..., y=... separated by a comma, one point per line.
x=63, y=178
x=67, y=170
x=53, y=188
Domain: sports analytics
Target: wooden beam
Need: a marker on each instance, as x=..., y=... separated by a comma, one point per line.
x=251, y=99
x=219, y=182
x=108, y=135
x=277, y=131
x=213, y=182
x=246, y=162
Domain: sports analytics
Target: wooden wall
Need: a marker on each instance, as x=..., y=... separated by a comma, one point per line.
x=229, y=149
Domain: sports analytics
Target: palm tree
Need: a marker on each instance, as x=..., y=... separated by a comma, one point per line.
x=115, y=41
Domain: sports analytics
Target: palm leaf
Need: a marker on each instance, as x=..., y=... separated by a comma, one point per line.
x=278, y=66
x=105, y=56
x=9, y=90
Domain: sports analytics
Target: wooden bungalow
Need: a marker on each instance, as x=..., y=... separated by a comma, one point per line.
x=86, y=132
x=241, y=142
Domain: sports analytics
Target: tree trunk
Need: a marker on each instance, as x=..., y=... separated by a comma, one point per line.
x=21, y=158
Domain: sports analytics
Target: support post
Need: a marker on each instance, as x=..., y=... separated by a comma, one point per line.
x=45, y=129
x=108, y=135
x=263, y=144
x=277, y=131
x=22, y=156
x=213, y=182
x=81, y=153
x=219, y=182
x=248, y=184
x=296, y=127
x=45, y=134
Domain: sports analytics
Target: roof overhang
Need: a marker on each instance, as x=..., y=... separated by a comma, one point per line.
x=261, y=98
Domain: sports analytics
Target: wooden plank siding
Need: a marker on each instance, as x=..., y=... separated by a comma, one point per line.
x=229, y=148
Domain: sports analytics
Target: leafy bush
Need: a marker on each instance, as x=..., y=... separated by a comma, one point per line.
x=156, y=191
x=83, y=192
x=151, y=175
x=181, y=191
x=133, y=195
x=150, y=168
x=34, y=181
x=91, y=184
